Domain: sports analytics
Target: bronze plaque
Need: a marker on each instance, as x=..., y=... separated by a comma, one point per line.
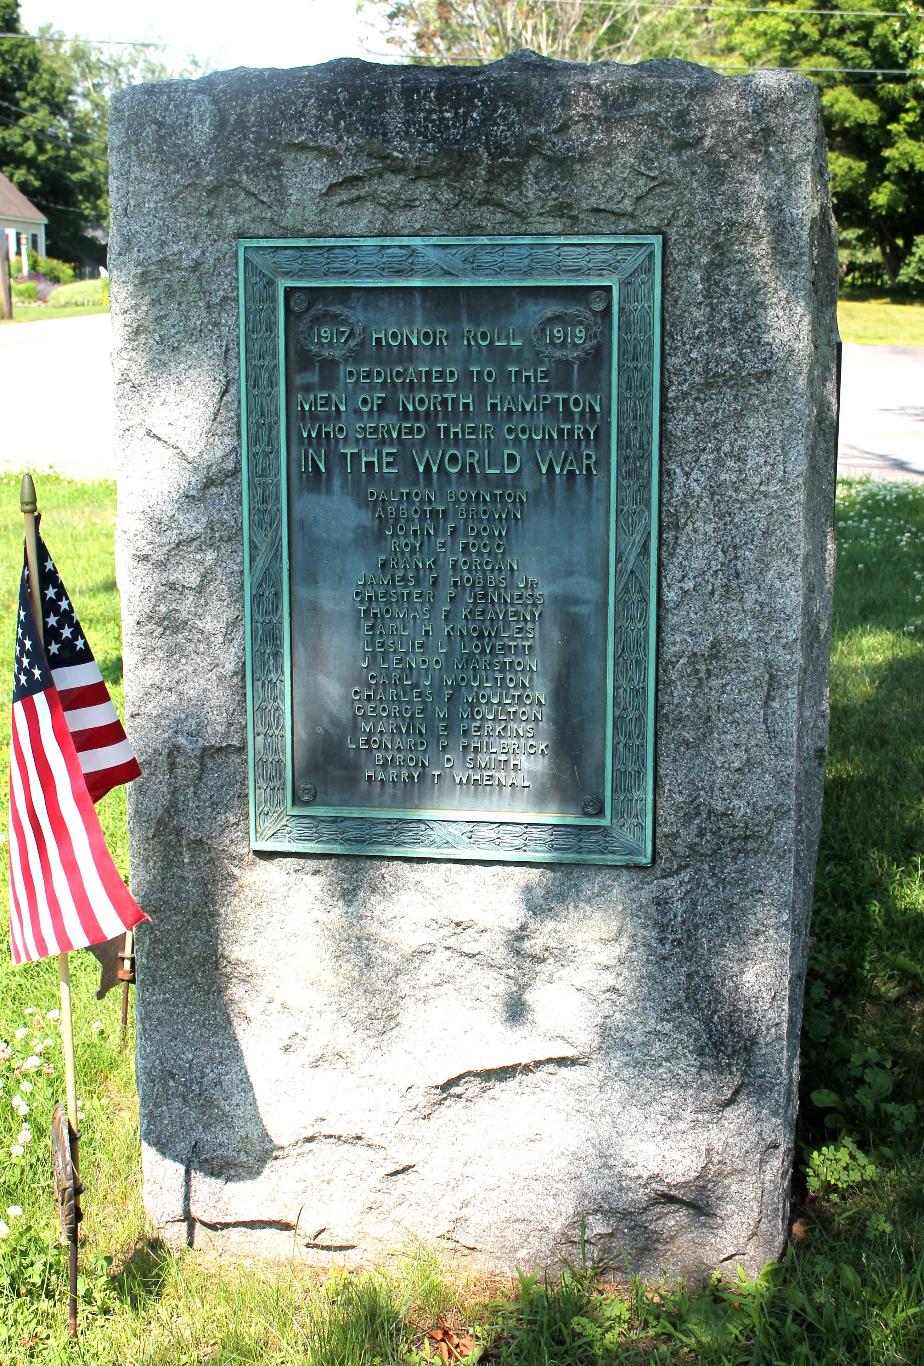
x=450, y=506
x=441, y=659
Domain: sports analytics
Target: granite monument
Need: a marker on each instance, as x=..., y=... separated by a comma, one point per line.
x=490, y=981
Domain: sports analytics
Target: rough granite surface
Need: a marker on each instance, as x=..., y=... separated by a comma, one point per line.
x=337, y=1053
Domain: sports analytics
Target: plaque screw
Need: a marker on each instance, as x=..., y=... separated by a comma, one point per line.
x=598, y=300
x=307, y=792
x=592, y=806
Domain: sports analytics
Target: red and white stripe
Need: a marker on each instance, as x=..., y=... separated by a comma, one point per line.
x=106, y=757
x=65, y=890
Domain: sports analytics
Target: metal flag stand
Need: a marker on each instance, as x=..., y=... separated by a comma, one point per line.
x=64, y=1134
x=126, y=975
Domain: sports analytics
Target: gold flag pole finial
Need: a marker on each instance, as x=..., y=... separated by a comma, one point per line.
x=28, y=501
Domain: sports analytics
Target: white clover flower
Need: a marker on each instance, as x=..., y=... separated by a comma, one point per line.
x=4, y=1229
x=31, y=1064
x=53, y=1015
x=16, y=1150
x=14, y=1211
x=21, y=1032
x=24, y=1136
x=31, y=1010
x=25, y=1085
x=97, y=1026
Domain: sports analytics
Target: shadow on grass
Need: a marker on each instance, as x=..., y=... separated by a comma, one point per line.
x=144, y=1275
x=878, y=294
x=863, y=1037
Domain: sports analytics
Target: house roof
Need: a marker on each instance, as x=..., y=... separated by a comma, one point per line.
x=14, y=204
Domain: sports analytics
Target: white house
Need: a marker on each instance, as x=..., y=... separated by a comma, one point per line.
x=19, y=217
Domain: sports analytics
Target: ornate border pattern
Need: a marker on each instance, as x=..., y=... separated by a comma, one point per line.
x=633, y=262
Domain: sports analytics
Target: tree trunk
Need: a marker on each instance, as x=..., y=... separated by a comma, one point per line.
x=893, y=254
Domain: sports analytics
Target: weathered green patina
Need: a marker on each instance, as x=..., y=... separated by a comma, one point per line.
x=450, y=523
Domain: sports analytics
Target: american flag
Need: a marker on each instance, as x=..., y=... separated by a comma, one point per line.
x=106, y=757
x=65, y=890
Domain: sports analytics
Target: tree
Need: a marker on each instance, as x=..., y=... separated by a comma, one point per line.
x=44, y=145
x=874, y=122
x=484, y=30
x=54, y=114
x=872, y=101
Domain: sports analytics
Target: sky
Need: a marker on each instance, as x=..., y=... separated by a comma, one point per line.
x=260, y=33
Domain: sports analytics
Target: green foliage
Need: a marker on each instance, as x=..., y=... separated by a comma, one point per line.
x=863, y=1041
x=47, y=144
x=875, y=124
x=59, y=272
x=549, y=1320
x=606, y=1329
x=54, y=111
x=25, y=291
x=837, y=1168
x=473, y=31
x=911, y=275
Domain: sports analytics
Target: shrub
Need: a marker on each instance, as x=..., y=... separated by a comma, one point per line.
x=59, y=272
x=25, y=291
x=911, y=275
x=82, y=294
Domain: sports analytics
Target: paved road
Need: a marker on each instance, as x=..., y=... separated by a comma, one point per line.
x=56, y=397
x=56, y=403
x=882, y=412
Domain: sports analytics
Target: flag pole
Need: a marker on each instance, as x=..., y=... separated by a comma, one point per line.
x=28, y=505
x=126, y=975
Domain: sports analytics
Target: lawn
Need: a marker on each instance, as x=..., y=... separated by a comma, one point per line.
x=37, y=313
x=873, y=320
x=851, y=1287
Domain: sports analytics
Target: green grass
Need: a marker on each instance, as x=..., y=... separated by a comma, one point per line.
x=77, y=299
x=874, y=320
x=851, y=1287
x=36, y=313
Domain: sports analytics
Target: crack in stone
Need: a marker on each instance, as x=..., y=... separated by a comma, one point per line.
x=675, y=1198
x=508, y=1071
x=219, y=1225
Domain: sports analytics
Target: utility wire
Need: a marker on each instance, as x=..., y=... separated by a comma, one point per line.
x=715, y=66
x=51, y=130
x=736, y=9
x=94, y=42
x=834, y=70
x=51, y=135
